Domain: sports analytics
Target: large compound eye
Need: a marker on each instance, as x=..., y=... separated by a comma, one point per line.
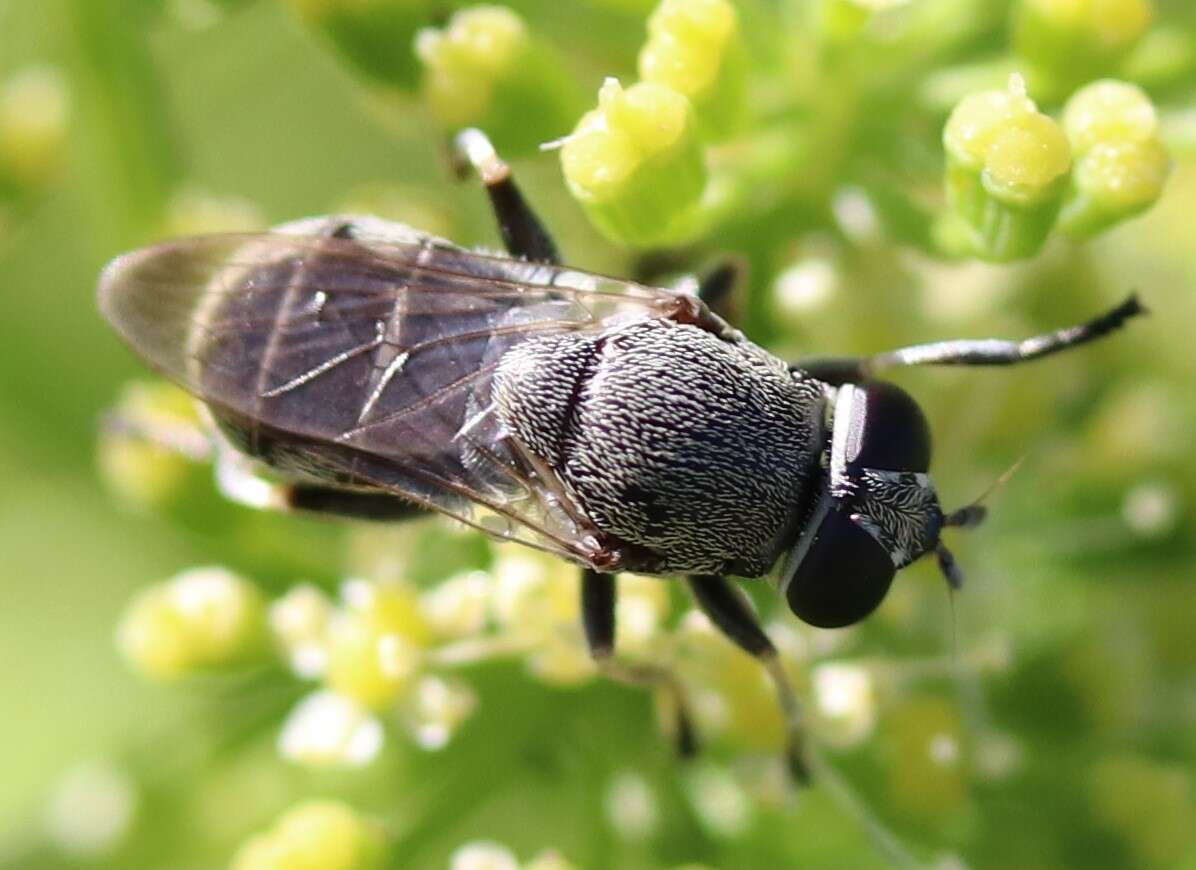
x=879, y=425
x=841, y=577
x=838, y=574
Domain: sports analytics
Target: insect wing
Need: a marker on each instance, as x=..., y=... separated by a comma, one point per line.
x=378, y=356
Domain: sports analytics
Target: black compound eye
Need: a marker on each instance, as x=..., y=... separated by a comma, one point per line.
x=841, y=577
x=885, y=428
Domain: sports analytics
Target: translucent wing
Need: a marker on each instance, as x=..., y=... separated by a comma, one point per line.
x=370, y=361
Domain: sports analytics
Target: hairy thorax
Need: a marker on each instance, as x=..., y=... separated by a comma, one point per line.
x=670, y=438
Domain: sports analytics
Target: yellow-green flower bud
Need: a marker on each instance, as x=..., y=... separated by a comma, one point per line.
x=1007, y=167
x=485, y=70
x=1121, y=166
x=1112, y=182
x=319, y=834
x=636, y=164
x=375, y=36
x=1072, y=41
x=201, y=619
x=150, y=445
x=33, y=118
x=694, y=47
x=374, y=644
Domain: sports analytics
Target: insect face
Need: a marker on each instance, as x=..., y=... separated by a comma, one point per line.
x=876, y=513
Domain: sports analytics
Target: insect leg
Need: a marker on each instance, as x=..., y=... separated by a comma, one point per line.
x=523, y=233
x=238, y=481
x=377, y=506
x=598, y=618
x=730, y=612
x=716, y=287
x=972, y=352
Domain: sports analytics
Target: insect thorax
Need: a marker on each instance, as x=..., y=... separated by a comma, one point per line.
x=670, y=438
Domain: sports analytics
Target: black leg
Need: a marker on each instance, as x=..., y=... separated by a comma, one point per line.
x=717, y=287
x=522, y=232
x=972, y=352
x=378, y=506
x=730, y=612
x=598, y=595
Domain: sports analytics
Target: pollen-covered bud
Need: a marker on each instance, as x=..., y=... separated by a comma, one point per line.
x=484, y=69
x=436, y=709
x=299, y=621
x=694, y=47
x=845, y=703
x=1121, y=166
x=375, y=643
x=1007, y=169
x=535, y=599
x=34, y=109
x=1072, y=41
x=636, y=164
x=150, y=445
x=203, y=618
x=375, y=36
x=329, y=730
x=457, y=607
x=324, y=834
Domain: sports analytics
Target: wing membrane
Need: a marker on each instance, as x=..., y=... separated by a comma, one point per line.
x=376, y=355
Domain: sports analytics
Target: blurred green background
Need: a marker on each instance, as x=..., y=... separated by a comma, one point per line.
x=1069, y=709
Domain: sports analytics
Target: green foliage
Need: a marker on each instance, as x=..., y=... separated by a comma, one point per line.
x=361, y=696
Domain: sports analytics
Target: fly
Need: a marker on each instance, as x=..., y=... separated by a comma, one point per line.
x=382, y=373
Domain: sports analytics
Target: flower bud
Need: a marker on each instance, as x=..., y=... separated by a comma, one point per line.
x=484, y=69
x=327, y=729
x=1007, y=167
x=150, y=445
x=457, y=607
x=483, y=855
x=203, y=618
x=1072, y=41
x=324, y=834
x=34, y=107
x=694, y=47
x=374, y=643
x=845, y=703
x=636, y=164
x=375, y=36
x=436, y=709
x=1121, y=166
x=299, y=621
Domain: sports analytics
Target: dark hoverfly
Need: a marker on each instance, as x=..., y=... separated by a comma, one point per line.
x=382, y=372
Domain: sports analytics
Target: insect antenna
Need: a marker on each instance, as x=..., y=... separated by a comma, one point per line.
x=968, y=517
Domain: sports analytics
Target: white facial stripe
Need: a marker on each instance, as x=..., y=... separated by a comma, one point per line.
x=848, y=432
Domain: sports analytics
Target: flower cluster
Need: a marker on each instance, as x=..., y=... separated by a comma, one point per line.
x=855, y=151
x=1011, y=168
